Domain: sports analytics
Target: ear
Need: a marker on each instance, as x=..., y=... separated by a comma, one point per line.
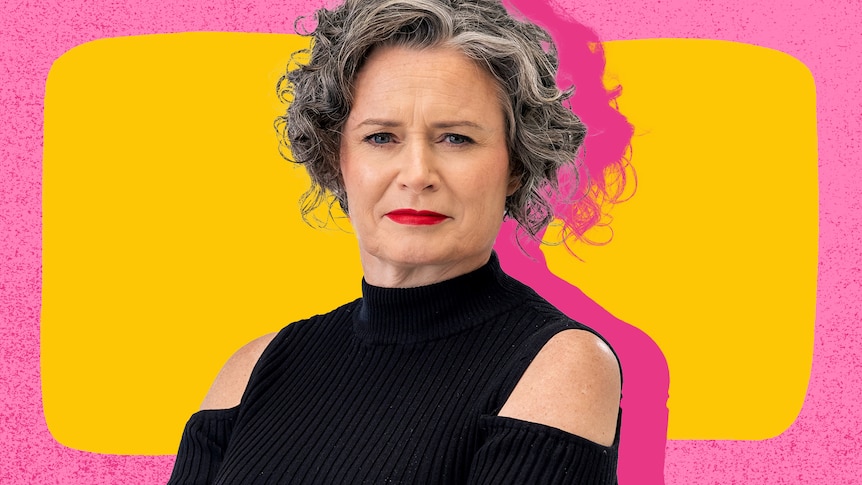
x=514, y=184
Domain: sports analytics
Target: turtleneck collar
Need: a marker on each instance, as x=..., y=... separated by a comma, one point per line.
x=413, y=315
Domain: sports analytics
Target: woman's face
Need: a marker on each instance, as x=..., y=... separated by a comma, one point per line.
x=425, y=165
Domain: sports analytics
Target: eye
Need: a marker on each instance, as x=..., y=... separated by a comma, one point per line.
x=455, y=139
x=379, y=138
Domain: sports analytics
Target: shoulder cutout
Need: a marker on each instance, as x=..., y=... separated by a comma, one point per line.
x=228, y=386
x=572, y=384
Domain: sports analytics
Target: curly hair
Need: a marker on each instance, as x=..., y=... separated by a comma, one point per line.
x=543, y=134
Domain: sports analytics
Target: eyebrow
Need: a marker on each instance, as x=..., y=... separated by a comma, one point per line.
x=440, y=124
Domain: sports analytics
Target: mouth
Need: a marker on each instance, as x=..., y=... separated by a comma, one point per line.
x=412, y=217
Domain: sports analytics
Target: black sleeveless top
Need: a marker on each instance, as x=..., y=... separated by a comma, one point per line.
x=401, y=386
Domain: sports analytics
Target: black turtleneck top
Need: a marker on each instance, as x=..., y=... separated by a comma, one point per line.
x=401, y=386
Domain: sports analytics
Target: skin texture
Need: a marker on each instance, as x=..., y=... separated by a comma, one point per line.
x=427, y=133
x=573, y=384
x=228, y=386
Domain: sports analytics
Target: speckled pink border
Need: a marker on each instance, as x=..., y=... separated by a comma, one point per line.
x=821, y=447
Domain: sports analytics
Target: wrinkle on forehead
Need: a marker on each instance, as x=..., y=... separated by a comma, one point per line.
x=445, y=90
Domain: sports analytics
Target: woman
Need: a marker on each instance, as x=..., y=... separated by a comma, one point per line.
x=426, y=120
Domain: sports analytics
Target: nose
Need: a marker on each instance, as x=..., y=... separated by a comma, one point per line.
x=418, y=172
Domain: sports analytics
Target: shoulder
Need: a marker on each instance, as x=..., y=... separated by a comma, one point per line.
x=573, y=384
x=230, y=383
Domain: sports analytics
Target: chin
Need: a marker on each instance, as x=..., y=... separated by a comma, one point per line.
x=420, y=256
x=434, y=255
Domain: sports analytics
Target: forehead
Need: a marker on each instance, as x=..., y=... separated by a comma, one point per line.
x=443, y=78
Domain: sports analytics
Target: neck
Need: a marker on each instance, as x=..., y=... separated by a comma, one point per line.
x=421, y=314
x=387, y=274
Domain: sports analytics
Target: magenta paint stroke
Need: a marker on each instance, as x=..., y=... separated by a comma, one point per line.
x=643, y=434
x=820, y=447
x=603, y=175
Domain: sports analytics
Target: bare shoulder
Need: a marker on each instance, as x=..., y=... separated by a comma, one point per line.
x=228, y=386
x=572, y=384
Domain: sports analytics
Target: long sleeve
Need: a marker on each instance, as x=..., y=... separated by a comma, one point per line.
x=519, y=452
x=202, y=447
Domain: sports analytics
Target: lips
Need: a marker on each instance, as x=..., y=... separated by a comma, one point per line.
x=412, y=217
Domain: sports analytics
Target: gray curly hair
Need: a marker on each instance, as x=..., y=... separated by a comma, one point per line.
x=543, y=134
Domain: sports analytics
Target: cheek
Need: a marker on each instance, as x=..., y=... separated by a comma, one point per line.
x=494, y=186
x=351, y=175
x=487, y=201
x=363, y=191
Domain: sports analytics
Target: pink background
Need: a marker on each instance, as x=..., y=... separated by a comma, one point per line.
x=823, y=446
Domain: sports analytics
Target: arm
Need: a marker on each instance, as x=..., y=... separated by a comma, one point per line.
x=229, y=385
x=559, y=424
x=207, y=433
x=573, y=384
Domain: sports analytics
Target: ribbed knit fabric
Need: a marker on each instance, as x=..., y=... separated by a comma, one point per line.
x=401, y=386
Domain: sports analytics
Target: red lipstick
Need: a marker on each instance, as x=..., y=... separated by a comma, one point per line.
x=412, y=217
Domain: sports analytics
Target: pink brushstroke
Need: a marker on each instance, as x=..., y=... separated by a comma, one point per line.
x=645, y=371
